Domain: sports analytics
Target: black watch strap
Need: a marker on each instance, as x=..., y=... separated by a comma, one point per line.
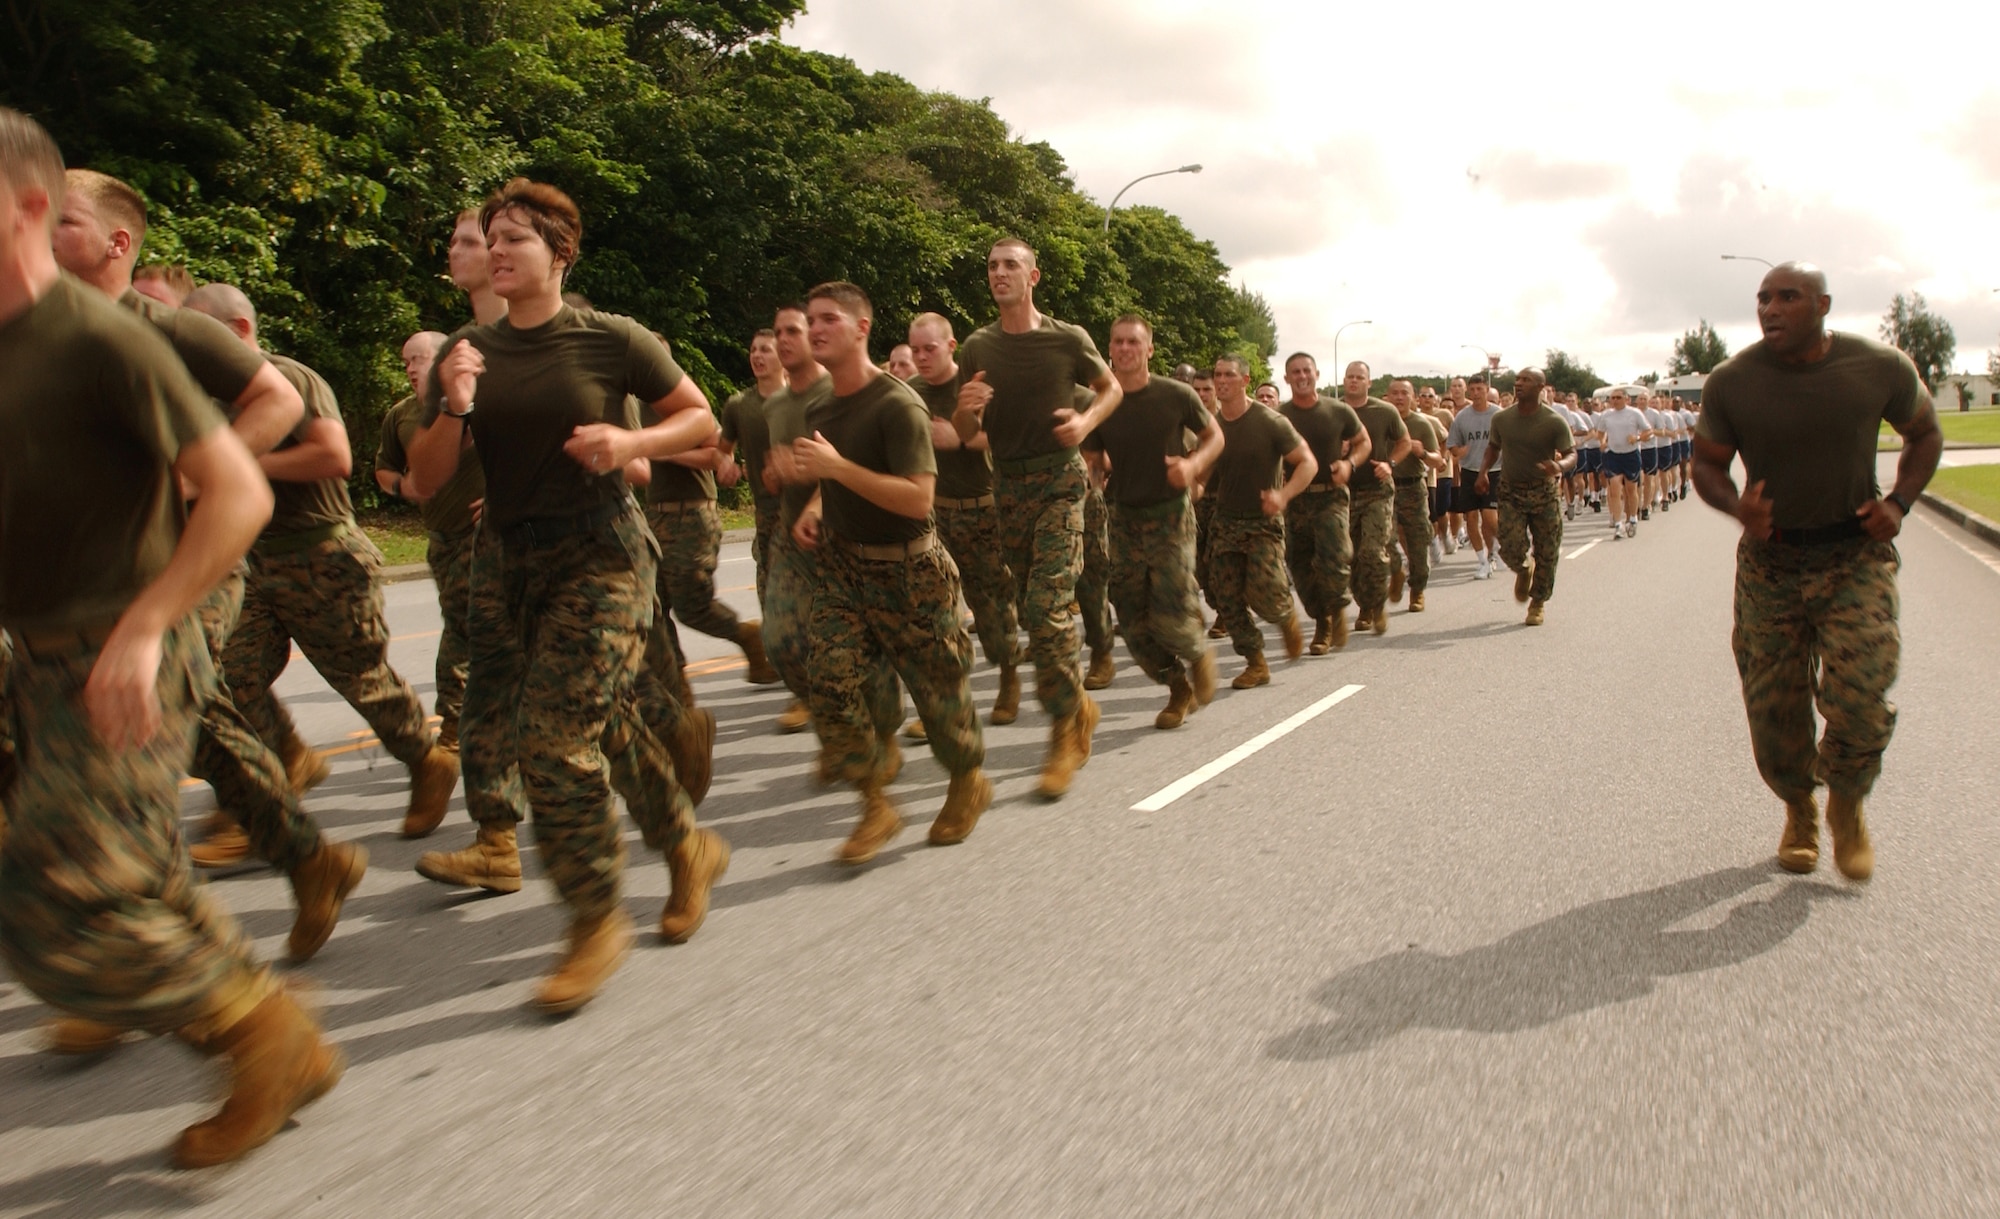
x=1899, y=501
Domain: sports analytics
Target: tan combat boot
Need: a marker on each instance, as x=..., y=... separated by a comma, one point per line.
x=1853, y=854
x=304, y=767
x=431, y=781
x=1378, y=620
x=759, y=670
x=969, y=796
x=1524, y=580
x=1798, y=847
x=76, y=1037
x=1084, y=724
x=321, y=885
x=1295, y=639
x=1322, y=637
x=1202, y=678
x=879, y=823
x=693, y=867
x=1255, y=673
x=1339, y=636
x=692, y=747
x=915, y=730
x=597, y=947
x=223, y=844
x=279, y=1064
x=1180, y=705
x=795, y=717
x=1534, y=617
x=1065, y=757
x=492, y=862
x=1007, y=706
x=1416, y=603
x=1395, y=586
x=1102, y=670
x=1218, y=631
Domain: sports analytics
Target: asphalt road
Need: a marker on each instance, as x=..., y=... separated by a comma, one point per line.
x=1497, y=933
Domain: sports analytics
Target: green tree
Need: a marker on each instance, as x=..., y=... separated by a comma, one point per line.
x=1920, y=334
x=1569, y=375
x=1698, y=351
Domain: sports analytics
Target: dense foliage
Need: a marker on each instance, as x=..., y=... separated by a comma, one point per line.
x=314, y=152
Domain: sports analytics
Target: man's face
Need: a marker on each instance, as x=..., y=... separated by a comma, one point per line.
x=1184, y=373
x=466, y=255
x=1303, y=376
x=418, y=352
x=1458, y=389
x=1427, y=397
x=83, y=238
x=1229, y=381
x=1476, y=392
x=1400, y=396
x=1528, y=389
x=764, y=356
x=1267, y=393
x=834, y=333
x=794, y=350
x=1618, y=400
x=1204, y=388
x=902, y=362
x=932, y=352
x=1791, y=312
x=1012, y=274
x=1131, y=349
x=1354, y=383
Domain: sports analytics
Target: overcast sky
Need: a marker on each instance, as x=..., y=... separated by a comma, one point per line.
x=1518, y=176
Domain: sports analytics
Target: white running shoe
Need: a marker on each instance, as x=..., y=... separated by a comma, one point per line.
x=1631, y=529
x=1437, y=550
x=1463, y=538
x=1450, y=544
x=1485, y=569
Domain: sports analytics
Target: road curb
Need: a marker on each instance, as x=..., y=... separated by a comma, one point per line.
x=1973, y=523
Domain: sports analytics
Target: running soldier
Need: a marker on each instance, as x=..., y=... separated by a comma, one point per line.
x=1372, y=514
x=1145, y=448
x=746, y=439
x=1535, y=448
x=1251, y=492
x=1816, y=603
x=1319, y=550
x=1093, y=582
x=886, y=604
x=1018, y=379
x=101, y=915
x=788, y=607
x=1413, y=495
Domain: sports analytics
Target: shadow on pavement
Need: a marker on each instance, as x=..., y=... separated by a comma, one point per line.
x=141, y=1184
x=1606, y=952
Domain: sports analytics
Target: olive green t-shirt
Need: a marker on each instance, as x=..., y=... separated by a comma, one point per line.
x=1149, y=426
x=1429, y=440
x=323, y=501
x=1254, y=445
x=222, y=364
x=883, y=427
x=1385, y=428
x=1808, y=431
x=450, y=510
x=744, y=427
x=785, y=414
x=94, y=411
x=1326, y=426
x=542, y=383
x=962, y=473
x=672, y=482
x=1033, y=375
x=1527, y=440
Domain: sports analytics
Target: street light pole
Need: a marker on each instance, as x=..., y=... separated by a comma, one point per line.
x=1749, y=258
x=1492, y=361
x=1185, y=169
x=1336, y=341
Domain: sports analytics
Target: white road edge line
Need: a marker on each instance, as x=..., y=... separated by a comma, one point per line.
x=1991, y=563
x=1579, y=550
x=1187, y=783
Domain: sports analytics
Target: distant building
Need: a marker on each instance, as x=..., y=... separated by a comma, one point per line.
x=1966, y=391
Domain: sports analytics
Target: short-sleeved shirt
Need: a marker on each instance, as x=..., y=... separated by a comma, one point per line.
x=883, y=427
x=672, y=482
x=1326, y=426
x=323, y=501
x=744, y=426
x=1430, y=439
x=1527, y=440
x=541, y=384
x=1254, y=445
x=1583, y=426
x=1469, y=431
x=1621, y=428
x=1808, y=431
x=450, y=510
x=962, y=473
x=1152, y=424
x=1656, y=421
x=1386, y=429
x=1033, y=375
x=785, y=414
x=222, y=364
x=95, y=408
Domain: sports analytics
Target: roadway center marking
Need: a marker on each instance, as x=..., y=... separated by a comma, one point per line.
x=1187, y=783
x=1579, y=550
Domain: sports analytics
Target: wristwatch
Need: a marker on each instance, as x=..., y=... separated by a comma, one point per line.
x=1899, y=501
x=444, y=408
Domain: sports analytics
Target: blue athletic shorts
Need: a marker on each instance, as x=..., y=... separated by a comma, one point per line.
x=1440, y=499
x=1621, y=465
x=1649, y=460
x=1589, y=461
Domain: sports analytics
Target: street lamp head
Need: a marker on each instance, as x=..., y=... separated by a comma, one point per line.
x=1188, y=169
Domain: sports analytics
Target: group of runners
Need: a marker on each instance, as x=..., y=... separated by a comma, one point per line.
x=566, y=470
